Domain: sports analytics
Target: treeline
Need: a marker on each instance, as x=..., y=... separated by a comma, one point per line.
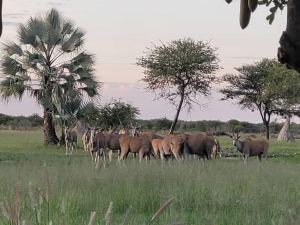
x=215, y=125
x=162, y=124
x=20, y=122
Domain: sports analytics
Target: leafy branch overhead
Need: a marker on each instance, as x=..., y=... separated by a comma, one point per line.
x=247, y=7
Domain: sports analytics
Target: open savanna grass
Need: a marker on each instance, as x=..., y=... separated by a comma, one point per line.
x=218, y=192
x=221, y=192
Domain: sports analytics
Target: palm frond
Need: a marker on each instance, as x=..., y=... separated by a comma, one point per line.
x=67, y=28
x=11, y=66
x=12, y=48
x=29, y=64
x=83, y=59
x=53, y=22
x=91, y=91
x=11, y=87
x=73, y=42
x=37, y=27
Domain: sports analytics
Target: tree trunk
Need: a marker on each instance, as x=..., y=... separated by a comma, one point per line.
x=1, y=25
x=289, y=50
x=285, y=134
x=267, y=130
x=177, y=114
x=62, y=138
x=49, y=129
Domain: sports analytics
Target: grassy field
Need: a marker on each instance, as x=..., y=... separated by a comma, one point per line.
x=220, y=192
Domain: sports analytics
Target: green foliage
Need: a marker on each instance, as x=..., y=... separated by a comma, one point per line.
x=89, y=113
x=225, y=191
x=275, y=6
x=49, y=62
x=284, y=85
x=266, y=86
x=111, y=115
x=20, y=122
x=181, y=67
x=117, y=113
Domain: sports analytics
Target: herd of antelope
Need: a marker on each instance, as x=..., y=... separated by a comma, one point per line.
x=149, y=145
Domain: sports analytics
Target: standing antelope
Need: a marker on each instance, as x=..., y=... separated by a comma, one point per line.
x=202, y=145
x=86, y=139
x=251, y=146
x=70, y=140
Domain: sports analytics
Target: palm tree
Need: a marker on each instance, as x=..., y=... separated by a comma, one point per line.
x=47, y=60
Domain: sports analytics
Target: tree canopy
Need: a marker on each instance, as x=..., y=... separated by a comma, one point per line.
x=111, y=115
x=49, y=62
x=266, y=86
x=181, y=69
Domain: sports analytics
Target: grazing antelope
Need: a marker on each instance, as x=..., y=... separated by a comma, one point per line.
x=136, y=144
x=96, y=142
x=70, y=140
x=112, y=143
x=86, y=139
x=251, y=146
x=172, y=145
x=203, y=145
x=157, y=148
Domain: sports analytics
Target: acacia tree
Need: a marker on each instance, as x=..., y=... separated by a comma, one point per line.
x=265, y=86
x=286, y=83
x=289, y=50
x=180, y=69
x=48, y=61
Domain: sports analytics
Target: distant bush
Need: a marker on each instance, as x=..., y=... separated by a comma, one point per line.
x=215, y=125
x=20, y=122
x=162, y=124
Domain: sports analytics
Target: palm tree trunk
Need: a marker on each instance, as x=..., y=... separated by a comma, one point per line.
x=177, y=114
x=62, y=140
x=49, y=129
x=289, y=51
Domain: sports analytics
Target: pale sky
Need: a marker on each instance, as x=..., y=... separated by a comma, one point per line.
x=118, y=31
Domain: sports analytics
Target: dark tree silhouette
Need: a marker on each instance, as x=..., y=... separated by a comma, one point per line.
x=289, y=50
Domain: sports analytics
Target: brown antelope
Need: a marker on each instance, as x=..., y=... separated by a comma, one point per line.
x=86, y=139
x=251, y=146
x=96, y=144
x=112, y=143
x=172, y=145
x=203, y=145
x=157, y=147
x=70, y=140
x=136, y=144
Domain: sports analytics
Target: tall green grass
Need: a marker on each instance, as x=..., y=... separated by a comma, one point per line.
x=221, y=192
x=217, y=192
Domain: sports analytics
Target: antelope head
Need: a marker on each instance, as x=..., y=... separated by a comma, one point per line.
x=235, y=141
